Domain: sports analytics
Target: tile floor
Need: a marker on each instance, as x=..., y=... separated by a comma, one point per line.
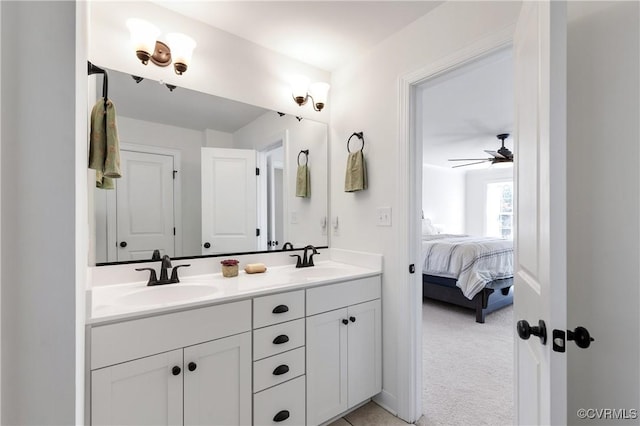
x=370, y=414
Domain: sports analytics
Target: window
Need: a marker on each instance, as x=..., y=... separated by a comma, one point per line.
x=499, y=213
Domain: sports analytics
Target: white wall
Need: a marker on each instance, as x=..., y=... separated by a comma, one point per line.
x=365, y=98
x=223, y=64
x=443, y=198
x=218, y=139
x=476, y=195
x=40, y=379
x=603, y=205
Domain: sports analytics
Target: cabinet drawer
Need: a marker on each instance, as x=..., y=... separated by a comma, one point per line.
x=277, y=369
x=284, y=402
x=278, y=308
x=336, y=296
x=278, y=338
x=124, y=341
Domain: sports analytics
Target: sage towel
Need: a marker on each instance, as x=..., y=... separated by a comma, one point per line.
x=104, y=147
x=303, y=182
x=356, y=176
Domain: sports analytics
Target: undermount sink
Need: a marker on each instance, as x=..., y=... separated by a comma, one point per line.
x=163, y=294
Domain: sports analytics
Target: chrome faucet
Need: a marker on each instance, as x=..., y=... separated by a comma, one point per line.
x=305, y=261
x=164, y=276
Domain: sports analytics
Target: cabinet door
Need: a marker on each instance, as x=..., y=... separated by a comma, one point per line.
x=217, y=382
x=141, y=392
x=326, y=366
x=365, y=351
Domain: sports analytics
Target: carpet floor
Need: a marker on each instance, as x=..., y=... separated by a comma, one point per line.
x=467, y=367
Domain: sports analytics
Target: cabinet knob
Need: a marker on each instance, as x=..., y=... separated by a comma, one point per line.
x=280, y=309
x=207, y=245
x=281, y=416
x=123, y=244
x=283, y=338
x=345, y=321
x=352, y=319
x=192, y=366
x=280, y=370
x=176, y=370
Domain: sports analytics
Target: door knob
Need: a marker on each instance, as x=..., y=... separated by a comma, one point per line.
x=581, y=336
x=525, y=330
x=123, y=244
x=207, y=245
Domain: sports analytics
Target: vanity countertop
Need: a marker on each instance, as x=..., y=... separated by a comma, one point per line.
x=135, y=299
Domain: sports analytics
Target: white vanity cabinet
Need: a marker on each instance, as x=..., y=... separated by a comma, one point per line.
x=344, y=350
x=191, y=367
x=279, y=359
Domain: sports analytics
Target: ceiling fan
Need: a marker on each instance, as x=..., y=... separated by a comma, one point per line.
x=501, y=156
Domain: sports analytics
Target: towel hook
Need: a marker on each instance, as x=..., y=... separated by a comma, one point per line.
x=92, y=69
x=360, y=135
x=306, y=154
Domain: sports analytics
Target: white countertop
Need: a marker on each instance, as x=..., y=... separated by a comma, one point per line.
x=135, y=299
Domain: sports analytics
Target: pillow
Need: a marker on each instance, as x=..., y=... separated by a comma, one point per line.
x=428, y=228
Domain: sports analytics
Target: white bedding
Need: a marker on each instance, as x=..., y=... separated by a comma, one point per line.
x=472, y=261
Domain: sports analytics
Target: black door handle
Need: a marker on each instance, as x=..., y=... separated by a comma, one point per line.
x=192, y=366
x=280, y=309
x=283, y=338
x=123, y=244
x=525, y=330
x=207, y=245
x=281, y=416
x=280, y=370
x=581, y=336
x=176, y=370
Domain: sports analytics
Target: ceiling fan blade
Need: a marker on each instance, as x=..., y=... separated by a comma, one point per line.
x=470, y=159
x=495, y=154
x=470, y=164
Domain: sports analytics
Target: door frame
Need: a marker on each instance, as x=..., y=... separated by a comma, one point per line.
x=409, y=190
x=177, y=199
x=278, y=140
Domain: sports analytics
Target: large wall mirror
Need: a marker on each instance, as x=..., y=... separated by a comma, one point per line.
x=203, y=175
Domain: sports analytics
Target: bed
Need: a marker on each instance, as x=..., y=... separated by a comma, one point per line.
x=468, y=271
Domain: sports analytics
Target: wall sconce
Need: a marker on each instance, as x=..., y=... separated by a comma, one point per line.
x=301, y=91
x=144, y=38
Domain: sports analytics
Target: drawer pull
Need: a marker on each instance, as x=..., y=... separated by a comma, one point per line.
x=280, y=309
x=281, y=369
x=281, y=416
x=283, y=338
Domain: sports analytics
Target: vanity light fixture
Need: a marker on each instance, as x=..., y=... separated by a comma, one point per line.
x=144, y=38
x=301, y=91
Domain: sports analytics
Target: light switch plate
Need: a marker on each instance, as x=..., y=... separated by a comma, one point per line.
x=383, y=216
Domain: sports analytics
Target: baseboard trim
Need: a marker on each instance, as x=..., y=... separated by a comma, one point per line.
x=387, y=401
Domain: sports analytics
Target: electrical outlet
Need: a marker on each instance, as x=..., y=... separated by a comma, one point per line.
x=383, y=216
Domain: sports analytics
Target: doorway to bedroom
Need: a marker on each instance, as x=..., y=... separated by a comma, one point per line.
x=463, y=120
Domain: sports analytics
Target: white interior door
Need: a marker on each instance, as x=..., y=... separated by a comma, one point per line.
x=540, y=157
x=275, y=204
x=228, y=200
x=144, y=204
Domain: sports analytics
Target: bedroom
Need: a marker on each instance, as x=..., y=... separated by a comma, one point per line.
x=463, y=112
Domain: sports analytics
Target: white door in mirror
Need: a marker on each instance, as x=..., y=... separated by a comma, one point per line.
x=228, y=200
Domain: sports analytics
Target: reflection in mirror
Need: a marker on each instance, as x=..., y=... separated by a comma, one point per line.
x=203, y=175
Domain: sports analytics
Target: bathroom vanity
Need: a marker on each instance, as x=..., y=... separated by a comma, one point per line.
x=288, y=347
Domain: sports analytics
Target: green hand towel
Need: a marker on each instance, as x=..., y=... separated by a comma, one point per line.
x=356, y=175
x=303, y=182
x=104, y=147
